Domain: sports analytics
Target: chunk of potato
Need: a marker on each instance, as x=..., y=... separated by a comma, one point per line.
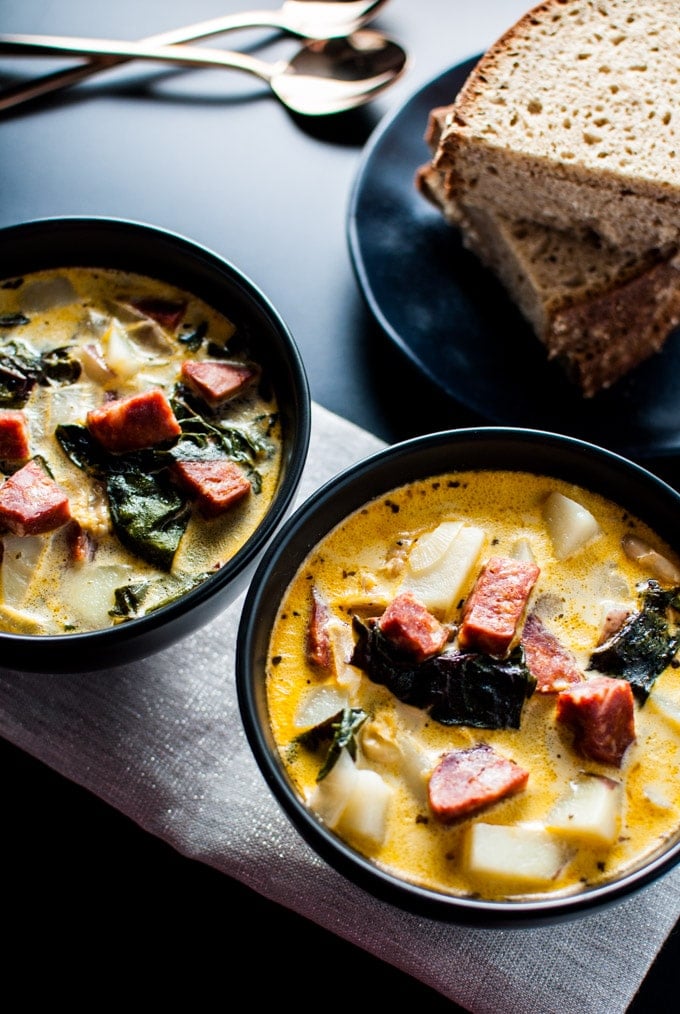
x=89, y=592
x=19, y=622
x=365, y=815
x=590, y=811
x=22, y=559
x=319, y=704
x=570, y=525
x=438, y=581
x=330, y=796
x=527, y=854
x=353, y=800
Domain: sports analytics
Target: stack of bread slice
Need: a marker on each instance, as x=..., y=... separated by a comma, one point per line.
x=559, y=161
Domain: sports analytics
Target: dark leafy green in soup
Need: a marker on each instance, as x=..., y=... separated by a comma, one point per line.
x=140, y=447
x=473, y=680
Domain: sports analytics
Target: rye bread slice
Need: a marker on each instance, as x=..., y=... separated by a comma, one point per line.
x=572, y=119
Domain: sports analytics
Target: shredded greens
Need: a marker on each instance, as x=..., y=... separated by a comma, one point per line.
x=149, y=512
x=21, y=369
x=339, y=732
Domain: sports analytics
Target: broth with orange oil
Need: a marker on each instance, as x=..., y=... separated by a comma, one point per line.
x=579, y=821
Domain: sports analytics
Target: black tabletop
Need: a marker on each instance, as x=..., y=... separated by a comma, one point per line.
x=213, y=156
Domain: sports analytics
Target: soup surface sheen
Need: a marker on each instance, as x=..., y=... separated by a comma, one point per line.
x=580, y=817
x=156, y=494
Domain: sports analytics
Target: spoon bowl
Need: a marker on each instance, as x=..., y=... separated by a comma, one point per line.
x=336, y=75
x=323, y=78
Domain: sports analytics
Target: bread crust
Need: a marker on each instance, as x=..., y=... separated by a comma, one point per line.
x=599, y=315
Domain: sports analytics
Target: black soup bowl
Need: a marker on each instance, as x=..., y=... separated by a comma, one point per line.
x=267, y=361
x=386, y=745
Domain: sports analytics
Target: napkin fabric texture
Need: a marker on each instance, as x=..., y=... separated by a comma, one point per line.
x=161, y=740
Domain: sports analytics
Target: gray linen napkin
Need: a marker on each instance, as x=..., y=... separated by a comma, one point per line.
x=161, y=741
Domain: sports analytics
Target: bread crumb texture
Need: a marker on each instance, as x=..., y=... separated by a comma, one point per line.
x=591, y=82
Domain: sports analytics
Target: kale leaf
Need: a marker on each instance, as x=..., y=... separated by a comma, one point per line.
x=644, y=645
x=455, y=688
x=148, y=514
x=341, y=730
x=21, y=370
x=194, y=339
x=142, y=597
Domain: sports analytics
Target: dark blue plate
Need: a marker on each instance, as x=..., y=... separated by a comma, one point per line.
x=454, y=322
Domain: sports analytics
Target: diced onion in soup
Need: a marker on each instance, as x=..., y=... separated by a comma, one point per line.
x=94, y=364
x=381, y=742
x=416, y=766
x=522, y=550
x=590, y=811
x=658, y=796
x=570, y=525
x=123, y=356
x=150, y=335
x=347, y=676
x=522, y=853
x=71, y=404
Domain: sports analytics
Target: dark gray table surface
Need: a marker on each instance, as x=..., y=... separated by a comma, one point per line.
x=211, y=155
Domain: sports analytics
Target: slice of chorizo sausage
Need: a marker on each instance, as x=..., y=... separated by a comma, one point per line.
x=32, y=503
x=552, y=664
x=214, y=484
x=129, y=424
x=601, y=715
x=469, y=780
x=496, y=604
x=217, y=382
x=412, y=628
x=14, y=440
x=319, y=649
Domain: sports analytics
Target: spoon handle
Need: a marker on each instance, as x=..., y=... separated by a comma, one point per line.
x=187, y=56
x=48, y=83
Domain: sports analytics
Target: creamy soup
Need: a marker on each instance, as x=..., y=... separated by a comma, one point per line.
x=472, y=680
x=139, y=447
